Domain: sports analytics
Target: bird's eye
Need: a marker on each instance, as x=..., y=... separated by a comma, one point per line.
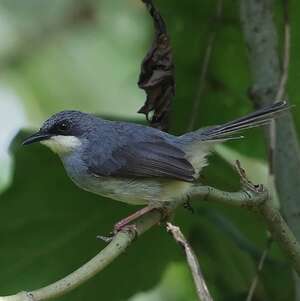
x=63, y=126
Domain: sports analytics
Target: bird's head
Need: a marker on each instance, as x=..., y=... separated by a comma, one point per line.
x=63, y=132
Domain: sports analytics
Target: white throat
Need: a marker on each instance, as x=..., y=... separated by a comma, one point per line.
x=62, y=144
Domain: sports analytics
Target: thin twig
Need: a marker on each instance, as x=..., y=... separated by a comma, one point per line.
x=204, y=69
x=202, y=290
x=259, y=269
x=286, y=53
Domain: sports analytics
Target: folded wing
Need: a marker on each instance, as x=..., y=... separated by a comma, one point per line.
x=151, y=156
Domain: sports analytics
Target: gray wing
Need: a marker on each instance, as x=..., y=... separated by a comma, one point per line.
x=146, y=157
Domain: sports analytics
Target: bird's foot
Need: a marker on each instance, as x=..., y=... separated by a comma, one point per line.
x=246, y=183
x=127, y=224
x=131, y=218
x=187, y=205
x=167, y=214
x=131, y=228
x=122, y=225
x=106, y=239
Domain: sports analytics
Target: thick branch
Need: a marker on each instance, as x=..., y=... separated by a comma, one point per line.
x=268, y=82
x=258, y=202
x=261, y=38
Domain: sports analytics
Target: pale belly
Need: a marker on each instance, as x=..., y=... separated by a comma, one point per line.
x=138, y=191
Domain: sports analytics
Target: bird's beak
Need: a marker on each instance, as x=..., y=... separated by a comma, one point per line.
x=37, y=137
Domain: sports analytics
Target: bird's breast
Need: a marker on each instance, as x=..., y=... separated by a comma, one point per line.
x=137, y=191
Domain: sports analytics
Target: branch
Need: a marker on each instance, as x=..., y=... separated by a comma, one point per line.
x=257, y=199
x=205, y=64
x=116, y=247
x=268, y=78
x=261, y=38
x=258, y=202
x=202, y=290
x=252, y=197
x=259, y=269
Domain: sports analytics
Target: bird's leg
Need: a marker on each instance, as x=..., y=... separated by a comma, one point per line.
x=165, y=213
x=127, y=220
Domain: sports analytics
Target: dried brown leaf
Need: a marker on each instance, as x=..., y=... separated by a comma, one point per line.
x=157, y=74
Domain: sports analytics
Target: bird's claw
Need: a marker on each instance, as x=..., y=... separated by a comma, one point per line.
x=246, y=183
x=187, y=205
x=118, y=228
x=106, y=239
x=131, y=228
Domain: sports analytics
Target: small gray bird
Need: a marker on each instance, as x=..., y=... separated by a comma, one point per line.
x=133, y=163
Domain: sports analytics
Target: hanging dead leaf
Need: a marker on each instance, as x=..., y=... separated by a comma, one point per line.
x=157, y=74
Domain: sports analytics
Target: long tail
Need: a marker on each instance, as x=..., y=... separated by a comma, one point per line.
x=255, y=119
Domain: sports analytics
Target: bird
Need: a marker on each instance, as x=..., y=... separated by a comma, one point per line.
x=135, y=163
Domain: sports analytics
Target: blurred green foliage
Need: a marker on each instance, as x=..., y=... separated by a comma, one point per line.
x=86, y=55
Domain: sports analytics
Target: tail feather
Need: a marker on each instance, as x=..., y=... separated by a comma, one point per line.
x=197, y=151
x=258, y=118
